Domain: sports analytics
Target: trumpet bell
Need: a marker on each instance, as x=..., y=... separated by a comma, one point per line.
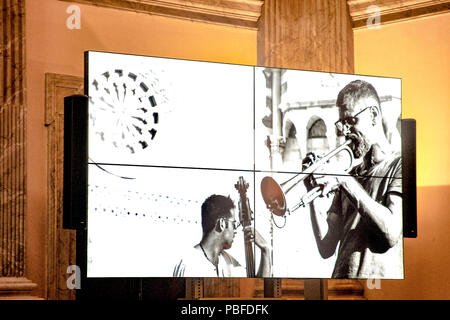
x=273, y=196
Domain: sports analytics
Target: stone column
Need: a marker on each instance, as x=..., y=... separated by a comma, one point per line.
x=12, y=150
x=276, y=140
x=309, y=35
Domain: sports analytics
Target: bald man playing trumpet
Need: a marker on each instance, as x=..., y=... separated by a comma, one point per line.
x=364, y=221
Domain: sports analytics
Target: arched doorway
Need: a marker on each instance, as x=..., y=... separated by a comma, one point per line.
x=292, y=156
x=317, y=141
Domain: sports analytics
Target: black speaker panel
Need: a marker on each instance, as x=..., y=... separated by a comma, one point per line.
x=409, y=176
x=75, y=161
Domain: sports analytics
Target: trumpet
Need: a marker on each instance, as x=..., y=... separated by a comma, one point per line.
x=274, y=193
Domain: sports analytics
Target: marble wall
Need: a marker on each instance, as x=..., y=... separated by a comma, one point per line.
x=12, y=139
x=12, y=149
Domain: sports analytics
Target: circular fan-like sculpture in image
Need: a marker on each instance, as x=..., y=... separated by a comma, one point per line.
x=124, y=109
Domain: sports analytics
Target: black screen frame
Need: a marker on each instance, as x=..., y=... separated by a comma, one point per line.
x=131, y=284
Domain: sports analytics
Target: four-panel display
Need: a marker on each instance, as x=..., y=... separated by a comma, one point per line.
x=201, y=169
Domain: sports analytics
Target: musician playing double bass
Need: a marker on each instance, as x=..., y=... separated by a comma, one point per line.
x=209, y=258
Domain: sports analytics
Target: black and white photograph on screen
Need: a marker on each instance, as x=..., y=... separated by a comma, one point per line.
x=210, y=258
x=201, y=169
x=167, y=139
x=169, y=112
x=150, y=222
x=328, y=162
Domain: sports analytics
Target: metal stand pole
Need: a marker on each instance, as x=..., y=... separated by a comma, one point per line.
x=194, y=288
x=272, y=288
x=316, y=289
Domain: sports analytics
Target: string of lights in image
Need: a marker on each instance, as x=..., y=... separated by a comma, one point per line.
x=106, y=201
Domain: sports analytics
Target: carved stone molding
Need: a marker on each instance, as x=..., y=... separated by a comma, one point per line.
x=239, y=13
x=394, y=10
x=16, y=288
x=246, y=13
x=61, y=243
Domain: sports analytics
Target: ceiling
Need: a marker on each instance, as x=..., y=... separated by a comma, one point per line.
x=245, y=13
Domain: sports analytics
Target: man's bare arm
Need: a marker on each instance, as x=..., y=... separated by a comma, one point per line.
x=384, y=221
x=265, y=264
x=327, y=228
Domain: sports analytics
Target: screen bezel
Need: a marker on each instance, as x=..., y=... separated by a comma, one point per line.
x=86, y=88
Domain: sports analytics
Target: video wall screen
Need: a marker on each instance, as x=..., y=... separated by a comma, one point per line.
x=201, y=169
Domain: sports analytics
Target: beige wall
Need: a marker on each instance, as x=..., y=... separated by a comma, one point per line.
x=51, y=47
x=418, y=51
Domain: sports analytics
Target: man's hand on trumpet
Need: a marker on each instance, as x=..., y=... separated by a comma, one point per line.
x=326, y=183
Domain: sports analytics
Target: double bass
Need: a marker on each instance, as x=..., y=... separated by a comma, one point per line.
x=245, y=219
